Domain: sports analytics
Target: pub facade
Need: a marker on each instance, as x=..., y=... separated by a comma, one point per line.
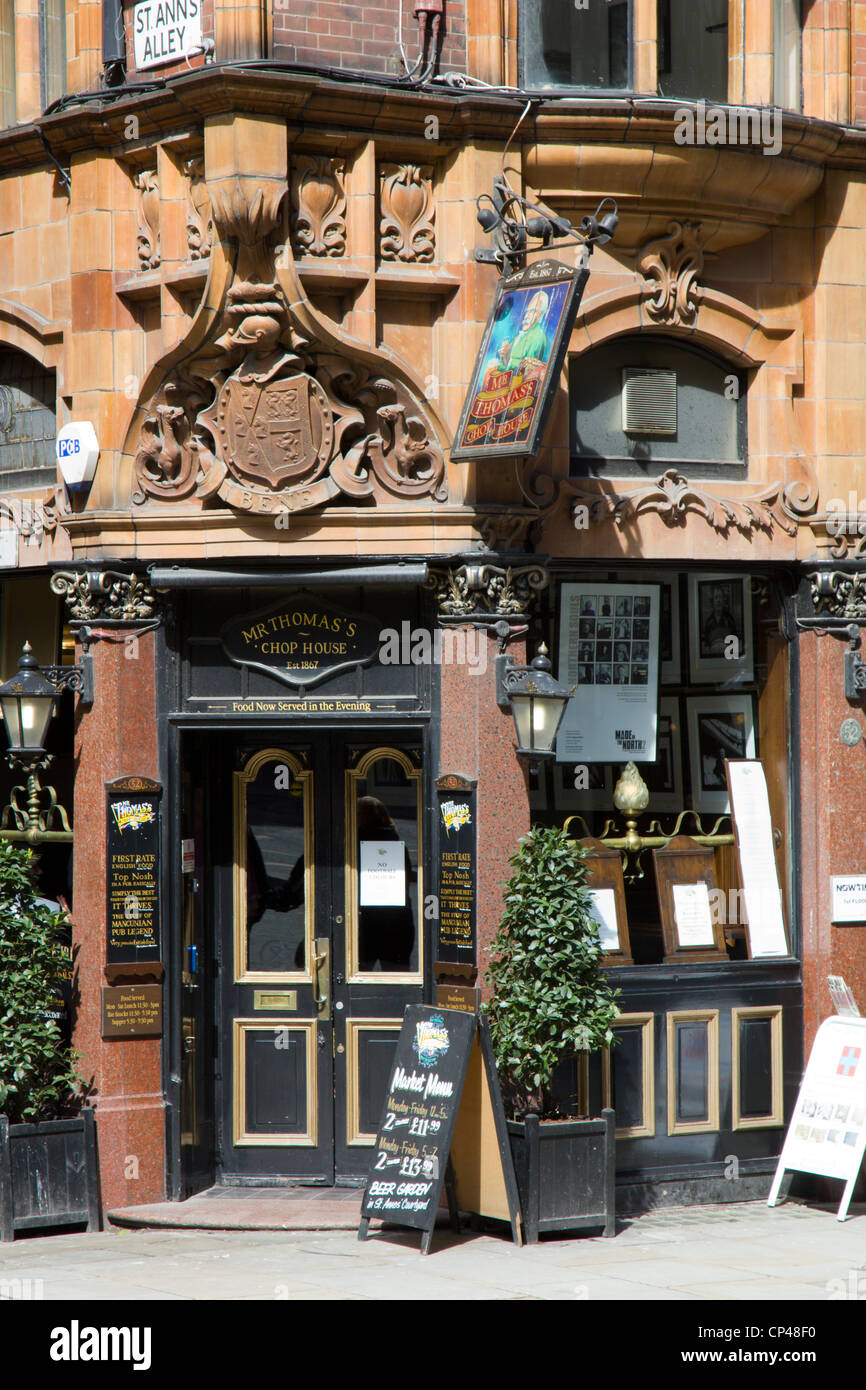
x=251, y=268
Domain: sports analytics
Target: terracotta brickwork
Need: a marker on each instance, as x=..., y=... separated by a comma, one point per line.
x=858, y=61
x=227, y=225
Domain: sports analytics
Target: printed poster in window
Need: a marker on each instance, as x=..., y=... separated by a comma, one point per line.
x=609, y=651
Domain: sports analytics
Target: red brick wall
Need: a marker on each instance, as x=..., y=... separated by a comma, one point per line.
x=349, y=34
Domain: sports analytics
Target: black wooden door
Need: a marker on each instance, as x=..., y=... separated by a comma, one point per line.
x=320, y=947
x=196, y=976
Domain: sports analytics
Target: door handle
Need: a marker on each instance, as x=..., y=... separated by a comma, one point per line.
x=322, y=974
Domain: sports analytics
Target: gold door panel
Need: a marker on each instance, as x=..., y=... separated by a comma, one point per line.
x=275, y=1083
x=362, y=1037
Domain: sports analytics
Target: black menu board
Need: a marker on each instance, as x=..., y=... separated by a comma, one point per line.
x=414, y=1139
x=132, y=877
x=457, y=869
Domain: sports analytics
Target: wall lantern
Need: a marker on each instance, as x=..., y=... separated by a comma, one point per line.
x=537, y=702
x=28, y=702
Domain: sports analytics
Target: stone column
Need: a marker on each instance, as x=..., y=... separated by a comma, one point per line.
x=115, y=736
x=832, y=800
x=478, y=738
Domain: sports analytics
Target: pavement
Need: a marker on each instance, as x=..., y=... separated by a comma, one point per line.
x=738, y=1252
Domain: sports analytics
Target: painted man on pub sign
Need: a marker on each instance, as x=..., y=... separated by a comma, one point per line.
x=518, y=365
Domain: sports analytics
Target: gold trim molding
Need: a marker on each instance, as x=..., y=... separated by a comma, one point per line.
x=647, y=1127
x=776, y=1117
x=241, y=1137
x=354, y=775
x=355, y=1136
x=242, y=780
x=711, y=1124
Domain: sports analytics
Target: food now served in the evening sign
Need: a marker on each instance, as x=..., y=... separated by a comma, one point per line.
x=519, y=362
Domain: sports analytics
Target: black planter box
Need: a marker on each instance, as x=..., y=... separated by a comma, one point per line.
x=48, y=1175
x=565, y=1173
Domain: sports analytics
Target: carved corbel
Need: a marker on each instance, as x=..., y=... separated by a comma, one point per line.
x=406, y=226
x=99, y=595
x=484, y=592
x=148, y=219
x=318, y=206
x=199, y=217
x=670, y=266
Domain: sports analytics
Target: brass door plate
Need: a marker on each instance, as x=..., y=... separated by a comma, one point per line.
x=275, y=999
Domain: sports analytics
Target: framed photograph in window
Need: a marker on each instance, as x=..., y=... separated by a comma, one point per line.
x=664, y=777
x=721, y=650
x=670, y=669
x=720, y=727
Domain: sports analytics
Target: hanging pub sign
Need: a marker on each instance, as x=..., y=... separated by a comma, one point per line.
x=519, y=362
x=132, y=906
x=609, y=651
x=302, y=639
x=457, y=868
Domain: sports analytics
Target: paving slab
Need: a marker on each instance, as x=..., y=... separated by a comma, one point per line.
x=742, y=1253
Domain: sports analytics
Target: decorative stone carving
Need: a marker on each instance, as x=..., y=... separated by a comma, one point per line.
x=30, y=517
x=670, y=266
x=406, y=226
x=96, y=596
x=486, y=591
x=148, y=219
x=673, y=497
x=319, y=206
x=840, y=594
x=199, y=218
x=285, y=428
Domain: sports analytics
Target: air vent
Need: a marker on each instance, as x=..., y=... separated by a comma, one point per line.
x=649, y=401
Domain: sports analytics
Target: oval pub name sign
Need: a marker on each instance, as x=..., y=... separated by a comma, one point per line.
x=301, y=640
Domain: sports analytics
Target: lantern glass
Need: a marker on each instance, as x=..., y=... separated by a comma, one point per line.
x=27, y=702
x=537, y=719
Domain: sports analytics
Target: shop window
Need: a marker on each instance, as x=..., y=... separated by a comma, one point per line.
x=787, y=54
x=566, y=45
x=641, y=403
x=52, y=41
x=693, y=49
x=722, y=693
x=7, y=63
x=27, y=423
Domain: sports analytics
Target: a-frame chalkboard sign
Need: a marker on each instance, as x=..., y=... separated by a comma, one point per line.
x=435, y=1128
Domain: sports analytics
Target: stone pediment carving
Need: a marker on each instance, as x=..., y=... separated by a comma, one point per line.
x=264, y=406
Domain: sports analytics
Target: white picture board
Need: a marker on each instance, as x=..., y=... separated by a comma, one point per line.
x=751, y=812
x=827, y=1133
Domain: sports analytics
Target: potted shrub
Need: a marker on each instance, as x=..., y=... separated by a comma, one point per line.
x=550, y=1003
x=48, y=1174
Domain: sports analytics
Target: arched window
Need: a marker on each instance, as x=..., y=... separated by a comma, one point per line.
x=28, y=423
x=643, y=403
